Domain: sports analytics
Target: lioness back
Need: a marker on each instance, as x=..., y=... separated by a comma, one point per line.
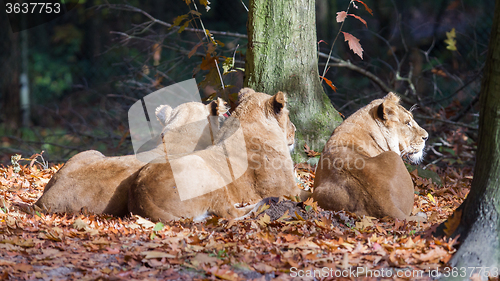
x=214, y=180
x=100, y=184
x=361, y=170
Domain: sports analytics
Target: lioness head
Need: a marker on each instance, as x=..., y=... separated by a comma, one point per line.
x=402, y=133
x=274, y=109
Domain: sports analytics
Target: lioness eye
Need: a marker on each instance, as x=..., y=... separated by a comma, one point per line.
x=409, y=124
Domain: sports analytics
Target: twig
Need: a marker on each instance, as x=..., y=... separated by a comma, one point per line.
x=169, y=25
x=334, y=40
x=347, y=64
x=461, y=114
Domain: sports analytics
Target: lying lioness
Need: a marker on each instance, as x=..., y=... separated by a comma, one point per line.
x=215, y=180
x=92, y=181
x=361, y=170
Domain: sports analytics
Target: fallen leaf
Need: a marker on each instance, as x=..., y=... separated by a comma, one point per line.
x=144, y=222
x=202, y=258
x=156, y=255
x=452, y=223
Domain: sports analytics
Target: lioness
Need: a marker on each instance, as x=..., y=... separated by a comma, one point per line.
x=361, y=170
x=92, y=181
x=199, y=184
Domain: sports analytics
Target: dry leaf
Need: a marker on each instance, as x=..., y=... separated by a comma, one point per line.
x=341, y=16
x=366, y=7
x=144, y=222
x=452, y=223
x=353, y=44
x=329, y=83
x=156, y=255
x=202, y=258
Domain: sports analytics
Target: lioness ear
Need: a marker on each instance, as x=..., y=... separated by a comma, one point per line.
x=212, y=108
x=217, y=107
x=278, y=101
x=162, y=113
x=385, y=110
x=244, y=93
x=392, y=97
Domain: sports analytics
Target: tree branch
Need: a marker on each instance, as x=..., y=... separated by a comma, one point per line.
x=459, y=124
x=153, y=20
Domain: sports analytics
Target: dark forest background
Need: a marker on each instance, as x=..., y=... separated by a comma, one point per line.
x=88, y=67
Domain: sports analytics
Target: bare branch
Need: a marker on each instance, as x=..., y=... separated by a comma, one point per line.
x=154, y=20
x=347, y=64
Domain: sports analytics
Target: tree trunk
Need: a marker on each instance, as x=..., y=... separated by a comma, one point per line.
x=282, y=56
x=479, y=225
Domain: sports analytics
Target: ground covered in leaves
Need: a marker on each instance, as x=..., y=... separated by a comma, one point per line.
x=285, y=241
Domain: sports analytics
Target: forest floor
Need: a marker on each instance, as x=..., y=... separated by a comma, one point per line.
x=289, y=240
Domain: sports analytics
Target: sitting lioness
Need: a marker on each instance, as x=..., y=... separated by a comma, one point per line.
x=213, y=181
x=361, y=170
x=92, y=181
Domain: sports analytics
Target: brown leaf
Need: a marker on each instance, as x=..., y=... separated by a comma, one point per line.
x=263, y=268
x=452, y=223
x=353, y=44
x=434, y=254
x=208, y=62
x=202, y=258
x=309, y=152
x=366, y=7
x=358, y=18
x=364, y=223
x=264, y=220
x=193, y=51
x=156, y=255
x=341, y=16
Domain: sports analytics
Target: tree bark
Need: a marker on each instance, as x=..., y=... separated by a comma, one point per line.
x=479, y=225
x=282, y=56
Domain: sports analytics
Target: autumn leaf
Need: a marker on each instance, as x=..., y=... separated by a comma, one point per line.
x=311, y=204
x=205, y=3
x=202, y=258
x=156, y=54
x=181, y=29
x=208, y=62
x=194, y=49
x=178, y=20
x=353, y=44
x=341, y=16
x=309, y=152
x=366, y=7
x=452, y=223
x=79, y=224
x=196, y=13
x=264, y=220
x=365, y=222
x=450, y=40
x=144, y=222
x=156, y=255
x=329, y=83
x=358, y=18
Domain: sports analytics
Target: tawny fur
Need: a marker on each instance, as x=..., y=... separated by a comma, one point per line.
x=99, y=184
x=361, y=170
x=267, y=132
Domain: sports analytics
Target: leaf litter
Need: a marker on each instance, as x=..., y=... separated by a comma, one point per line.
x=283, y=237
